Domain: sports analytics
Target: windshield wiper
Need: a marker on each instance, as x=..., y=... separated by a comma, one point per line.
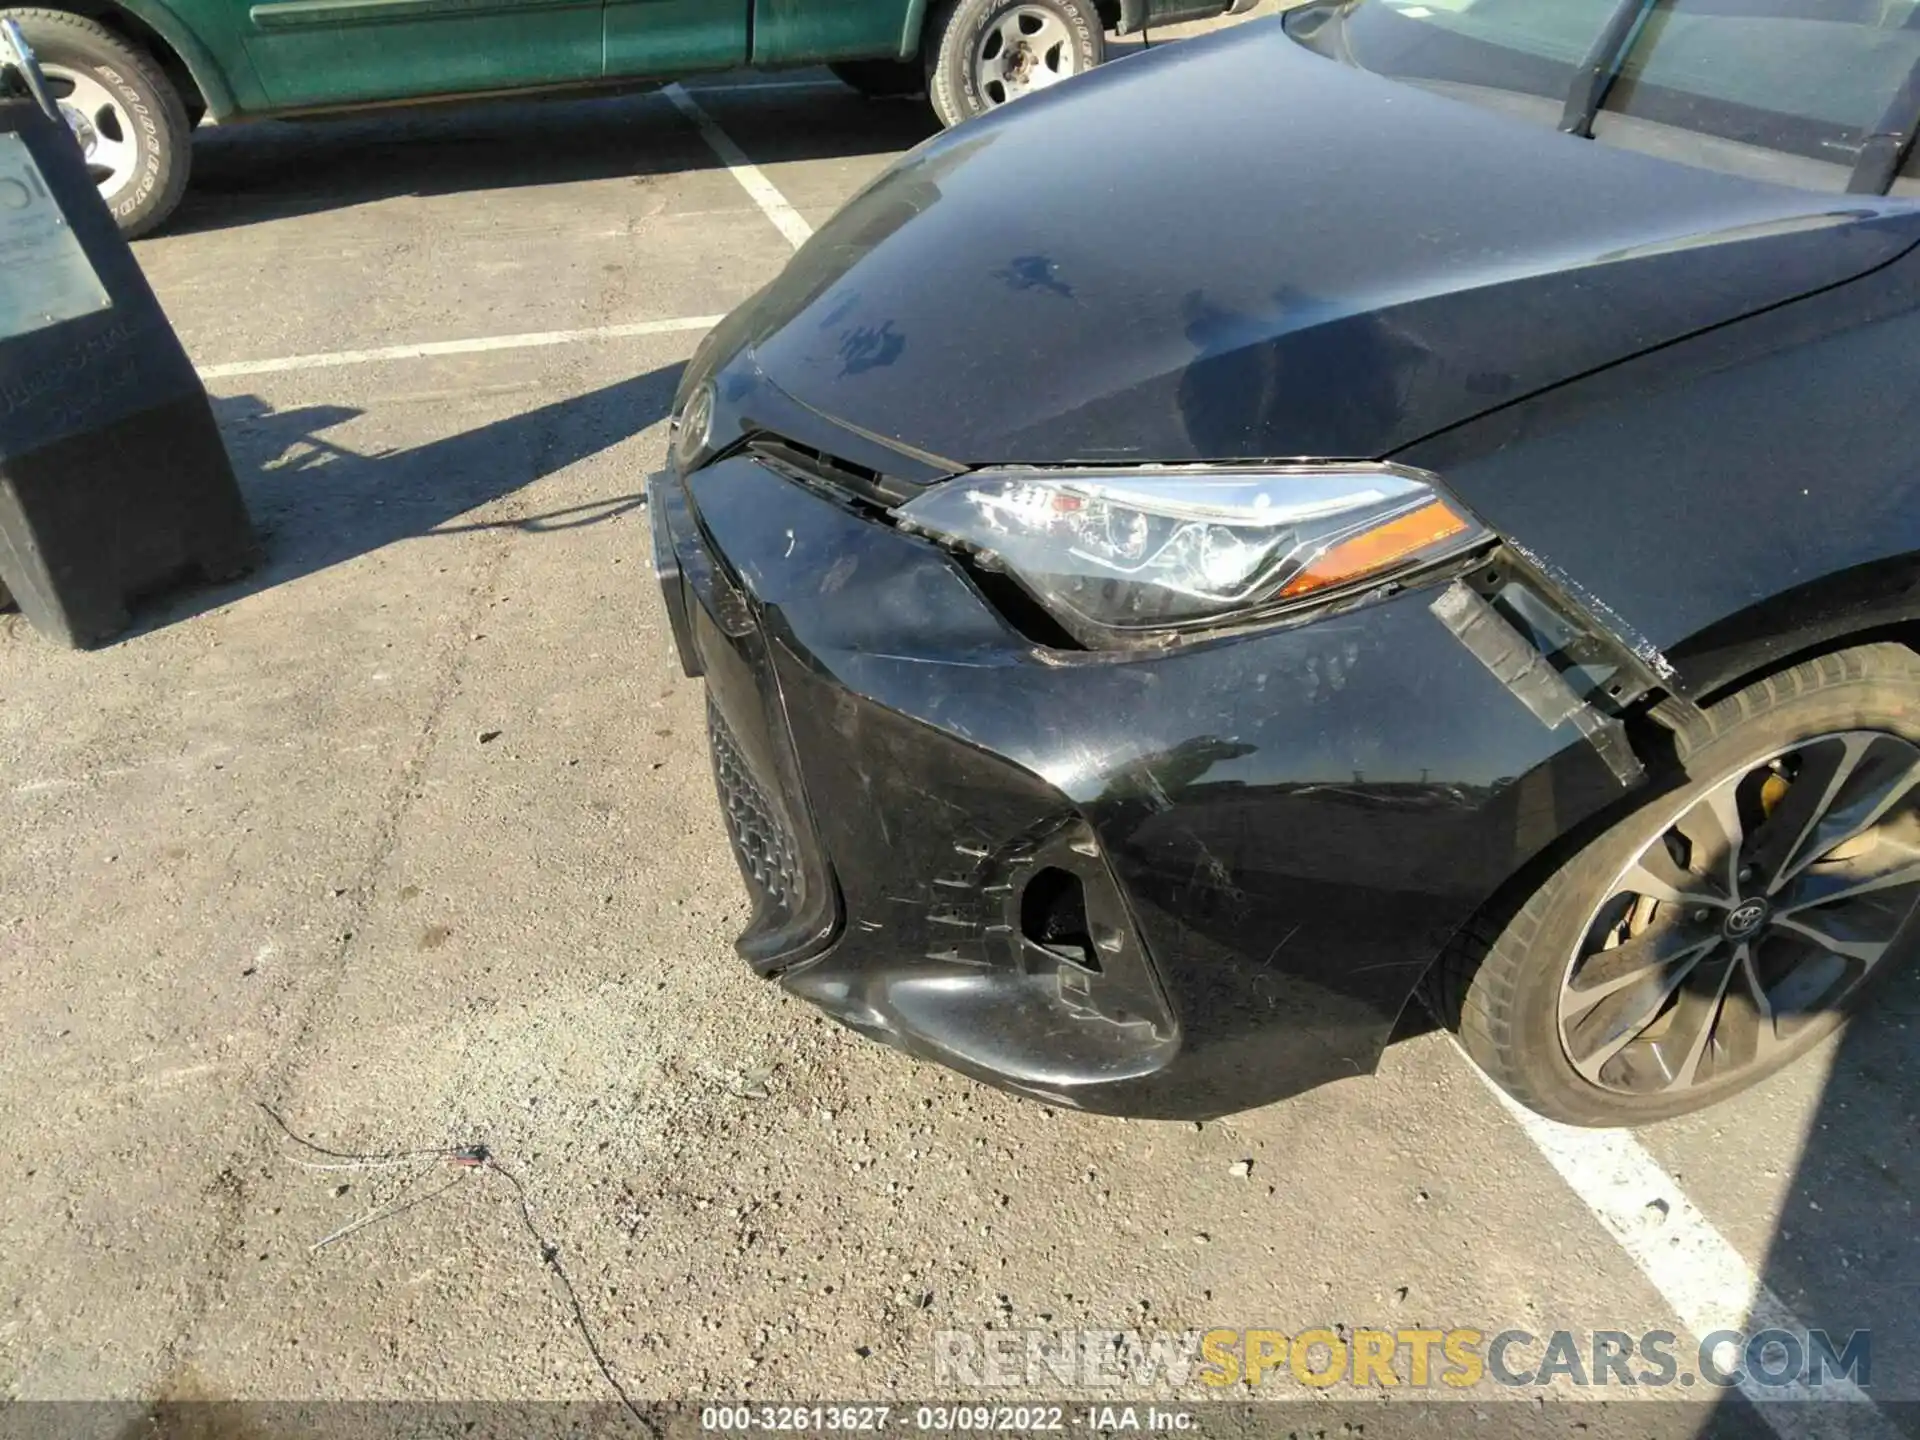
x=1884, y=152
x=1601, y=64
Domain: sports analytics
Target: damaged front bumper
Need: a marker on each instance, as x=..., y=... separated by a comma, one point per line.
x=1173, y=883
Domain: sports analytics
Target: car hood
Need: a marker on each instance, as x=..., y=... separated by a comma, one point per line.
x=1234, y=248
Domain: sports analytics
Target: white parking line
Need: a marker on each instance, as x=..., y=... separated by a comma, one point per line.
x=787, y=220
x=528, y=341
x=1693, y=1266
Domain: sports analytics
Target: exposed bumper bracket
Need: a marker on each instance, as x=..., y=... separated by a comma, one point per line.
x=1534, y=682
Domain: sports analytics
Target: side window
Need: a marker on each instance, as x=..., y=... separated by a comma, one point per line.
x=1799, y=83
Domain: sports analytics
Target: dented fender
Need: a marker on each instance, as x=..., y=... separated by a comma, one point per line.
x=1728, y=504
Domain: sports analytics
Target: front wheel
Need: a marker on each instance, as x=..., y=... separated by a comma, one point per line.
x=1727, y=926
x=983, y=54
x=130, y=122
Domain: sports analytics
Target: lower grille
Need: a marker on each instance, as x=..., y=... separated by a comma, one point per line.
x=763, y=842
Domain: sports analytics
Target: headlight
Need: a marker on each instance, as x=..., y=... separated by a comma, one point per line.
x=1114, y=552
x=693, y=430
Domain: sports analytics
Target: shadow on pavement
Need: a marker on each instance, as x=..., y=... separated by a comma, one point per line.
x=1845, y=1253
x=1843, y=1256
x=275, y=169
x=318, y=503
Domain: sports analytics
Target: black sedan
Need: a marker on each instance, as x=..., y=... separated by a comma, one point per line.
x=1425, y=504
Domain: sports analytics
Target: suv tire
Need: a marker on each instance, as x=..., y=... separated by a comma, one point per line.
x=980, y=54
x=130, y=121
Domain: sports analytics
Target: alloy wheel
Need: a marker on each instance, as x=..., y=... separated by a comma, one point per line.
x=1749, y=919
x=99, y=121
x=1028, y=49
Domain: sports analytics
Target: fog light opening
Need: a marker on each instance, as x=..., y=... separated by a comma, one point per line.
x=1053, y=915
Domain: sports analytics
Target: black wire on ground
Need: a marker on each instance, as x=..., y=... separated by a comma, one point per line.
x=550, y=1253
x=441, y=1152
x=479, y=1157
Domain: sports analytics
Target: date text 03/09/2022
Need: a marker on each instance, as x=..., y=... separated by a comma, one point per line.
x=944, y=1419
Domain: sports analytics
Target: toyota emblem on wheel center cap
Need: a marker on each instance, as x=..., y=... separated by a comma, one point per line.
x=1747, y=917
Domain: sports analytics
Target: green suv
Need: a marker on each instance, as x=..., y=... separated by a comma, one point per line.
x=135, y=76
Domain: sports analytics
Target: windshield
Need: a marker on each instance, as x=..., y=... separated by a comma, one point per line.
x=1788, y=90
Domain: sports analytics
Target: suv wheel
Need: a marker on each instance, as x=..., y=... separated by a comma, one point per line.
x=1727, y=926
x=984, y=53
x=131, y=123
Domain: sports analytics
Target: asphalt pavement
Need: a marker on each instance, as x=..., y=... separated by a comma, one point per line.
x=409, y=841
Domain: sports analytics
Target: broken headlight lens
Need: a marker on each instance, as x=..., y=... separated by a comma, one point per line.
x=1114, y=552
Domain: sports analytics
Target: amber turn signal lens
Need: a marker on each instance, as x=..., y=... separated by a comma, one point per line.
x=1386, y=545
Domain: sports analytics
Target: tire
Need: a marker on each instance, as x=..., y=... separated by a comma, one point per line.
x=882, y=79
x=972, y=68
x=1507, y=984
x=105, y=86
